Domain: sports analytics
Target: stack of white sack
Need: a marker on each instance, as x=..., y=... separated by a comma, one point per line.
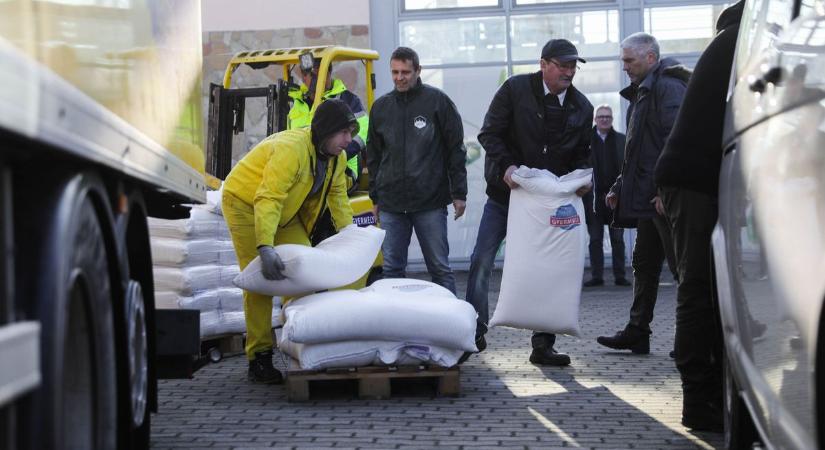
x=391, y=322
x=194, y=265
x=544, y=258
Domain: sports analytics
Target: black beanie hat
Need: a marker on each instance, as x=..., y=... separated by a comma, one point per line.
x=332, y=116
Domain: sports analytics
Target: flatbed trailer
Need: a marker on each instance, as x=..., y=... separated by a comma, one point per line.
x=100, y=128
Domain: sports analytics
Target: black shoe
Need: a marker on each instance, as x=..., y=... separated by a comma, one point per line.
x=672, y=354
x=624, y=341
x=549, y=357
x=261, y=369
x=481, y=344
x=593, y=282
x=623, y=282
x=705, y=418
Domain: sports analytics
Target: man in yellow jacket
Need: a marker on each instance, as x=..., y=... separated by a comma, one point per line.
x=275, y=195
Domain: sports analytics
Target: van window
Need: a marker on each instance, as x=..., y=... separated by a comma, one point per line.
x=809, y=8
x=762, y=22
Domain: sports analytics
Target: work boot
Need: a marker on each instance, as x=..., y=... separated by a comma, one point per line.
x=261, y=369
x=548, y=356
x=593, y=282
x=636, y=343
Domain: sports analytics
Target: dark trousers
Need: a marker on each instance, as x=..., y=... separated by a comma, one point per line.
x=595, y=228
x=653, y=246
x=692, y=216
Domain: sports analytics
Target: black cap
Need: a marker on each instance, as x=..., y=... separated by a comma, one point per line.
x=332, y=116
x=560, y=49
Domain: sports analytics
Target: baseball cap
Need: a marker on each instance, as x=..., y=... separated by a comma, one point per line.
x=560, y=49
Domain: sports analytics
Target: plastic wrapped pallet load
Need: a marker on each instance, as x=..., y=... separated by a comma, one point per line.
x=391, y=322
x=337, y=261
x=544, y=256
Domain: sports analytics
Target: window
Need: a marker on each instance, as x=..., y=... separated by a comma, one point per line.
x=595, y=33
x=412, y=5
x=451, y=41
x=682, y=29
x=542, y=2
x=762, y=22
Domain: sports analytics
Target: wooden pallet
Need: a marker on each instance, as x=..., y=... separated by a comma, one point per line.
x=373, y=381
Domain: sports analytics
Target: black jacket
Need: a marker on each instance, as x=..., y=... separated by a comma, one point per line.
x=654, y=104
x=692, y=156
x=513, y=133
x=415, y=151
x=606, y=157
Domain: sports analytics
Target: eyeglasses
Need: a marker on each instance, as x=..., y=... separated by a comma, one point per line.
x=604, y=117
x=566, y=66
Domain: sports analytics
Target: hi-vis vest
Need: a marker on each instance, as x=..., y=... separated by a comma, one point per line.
x=301, y=115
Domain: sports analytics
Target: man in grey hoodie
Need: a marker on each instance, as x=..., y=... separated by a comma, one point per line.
x=657, y=87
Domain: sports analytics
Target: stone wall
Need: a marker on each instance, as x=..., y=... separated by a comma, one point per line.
x=219, y=47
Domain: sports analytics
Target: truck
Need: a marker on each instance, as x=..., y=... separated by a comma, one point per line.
x=101, y=127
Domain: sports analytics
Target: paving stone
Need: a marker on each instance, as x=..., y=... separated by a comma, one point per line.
x=604, y=400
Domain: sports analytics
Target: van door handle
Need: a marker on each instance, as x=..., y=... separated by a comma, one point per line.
x=773, y=76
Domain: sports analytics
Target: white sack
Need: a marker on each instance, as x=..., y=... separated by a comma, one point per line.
x=371, y=315
x=189, y=280
x=181, y=253
x=225, y=299
x=544, y=257
x=337, y=261
x=391, y=286
x=217, y=322
x=166, y=300
x=204, y=225
x=367, y=353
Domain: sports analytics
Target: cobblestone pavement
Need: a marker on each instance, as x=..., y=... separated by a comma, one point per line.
x=604, y=399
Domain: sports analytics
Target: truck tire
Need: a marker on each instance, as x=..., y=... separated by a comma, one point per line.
x=740, y=432
x=76, y=405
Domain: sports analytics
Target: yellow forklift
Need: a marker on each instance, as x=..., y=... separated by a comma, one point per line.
x=227, y=106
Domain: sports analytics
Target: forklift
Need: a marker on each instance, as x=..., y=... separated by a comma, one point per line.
x=227, y=105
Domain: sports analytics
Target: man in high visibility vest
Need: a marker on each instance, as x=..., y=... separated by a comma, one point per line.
x=300, y=115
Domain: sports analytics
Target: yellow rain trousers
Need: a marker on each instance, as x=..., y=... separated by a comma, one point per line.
x=265, y=202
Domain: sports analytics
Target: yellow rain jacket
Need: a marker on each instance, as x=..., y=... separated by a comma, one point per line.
x=276, y=177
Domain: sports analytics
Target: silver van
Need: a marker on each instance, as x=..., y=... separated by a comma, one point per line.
x=769, y=243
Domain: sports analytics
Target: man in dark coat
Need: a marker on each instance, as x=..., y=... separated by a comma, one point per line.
x=688, y=178
x=539, y=120
x=416, y=155
x=606, y=156
x=655, y=94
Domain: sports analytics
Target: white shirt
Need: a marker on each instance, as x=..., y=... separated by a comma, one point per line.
x=561, y=95
x=603, y=136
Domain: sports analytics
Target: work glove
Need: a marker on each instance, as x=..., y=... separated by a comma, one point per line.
x=272, y=267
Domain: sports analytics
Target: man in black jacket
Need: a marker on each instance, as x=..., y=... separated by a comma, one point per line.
x=688, y=178
x=415, y=156
x=655, y=94
x=606, y=156
x=538, y=120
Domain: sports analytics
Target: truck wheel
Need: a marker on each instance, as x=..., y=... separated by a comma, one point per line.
x=740, y=432
x=76, y=406
x=137, y=352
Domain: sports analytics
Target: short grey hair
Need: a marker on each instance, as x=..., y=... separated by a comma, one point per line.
x=642, y=43
x=604, y=106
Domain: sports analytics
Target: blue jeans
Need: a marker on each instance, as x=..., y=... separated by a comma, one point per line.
x=491, y=233
x=431, y=229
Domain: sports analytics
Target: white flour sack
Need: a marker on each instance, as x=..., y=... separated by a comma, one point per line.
x=544, y=254
x=337, y=261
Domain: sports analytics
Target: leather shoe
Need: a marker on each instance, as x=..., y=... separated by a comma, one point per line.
x=638, y=344
x=481, y=344
x=593, y=282
x=623, y=282
x=261, y=369
x=549, y=357
x=708, y=417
